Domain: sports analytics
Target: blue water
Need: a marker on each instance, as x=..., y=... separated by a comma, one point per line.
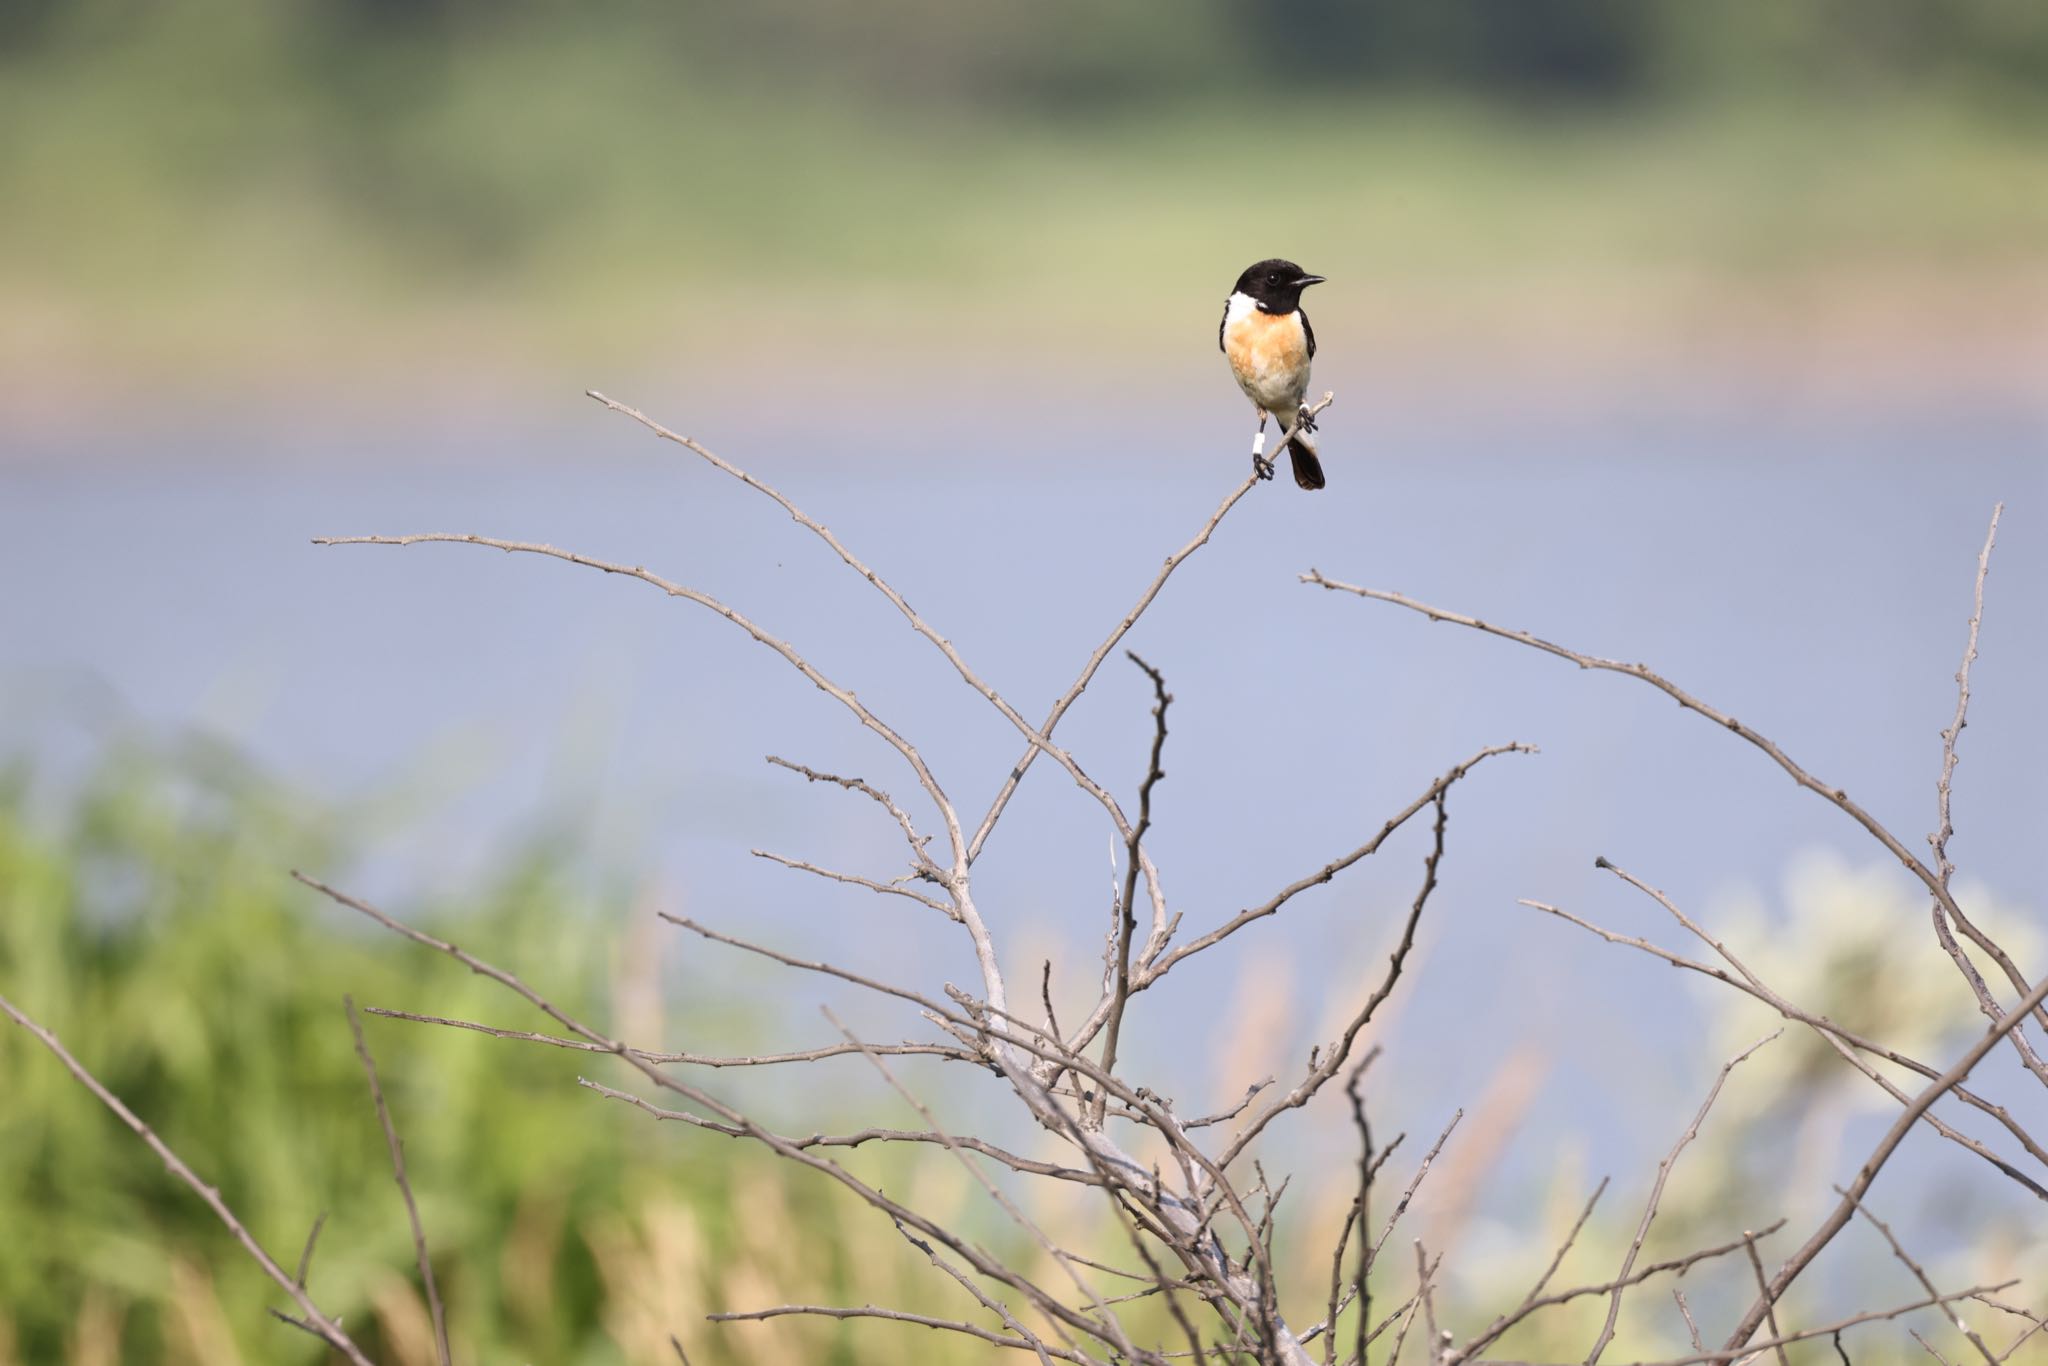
x=1807, y=570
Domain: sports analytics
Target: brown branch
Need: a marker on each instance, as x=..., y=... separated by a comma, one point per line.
x=1920, y=1275
x=1532, y=1301
x=1842, y=1041
x=1112, y=1326
x=1015, y=1161
x=856, y=880
x=412, y=1209
x=306, y=1253
x=1836, y=1037
x=1657, y=1193
x=1334, y=1056
x=1117, y=633
x=1834, y=795
x=1756, y=1267
x=881, y=798
x=1878, y=1157
x=315, y=1322
x=1939, y=839
x=1500, y=1326
x=782, y=1146
x=937, y=1050
x=1414, y=1184
x=1039, y=739
x=1155, y=970
x=981, y=1297
x=1826, y=1330
x=1692, y=1329
x=869, y=1311
x=1127, y=922
x=1358, y=1216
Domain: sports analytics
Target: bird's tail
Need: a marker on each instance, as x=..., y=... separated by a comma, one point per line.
x=1308, y=467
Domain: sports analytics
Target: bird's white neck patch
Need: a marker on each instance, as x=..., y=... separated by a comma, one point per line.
x=1241, y=306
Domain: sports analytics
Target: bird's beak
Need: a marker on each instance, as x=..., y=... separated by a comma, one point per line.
x=1305, y=281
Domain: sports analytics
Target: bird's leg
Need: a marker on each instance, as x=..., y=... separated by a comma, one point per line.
x=1305, y=419
x=1261, y=466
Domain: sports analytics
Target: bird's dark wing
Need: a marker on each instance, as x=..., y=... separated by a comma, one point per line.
x=1222, y=323
x=1311, y=334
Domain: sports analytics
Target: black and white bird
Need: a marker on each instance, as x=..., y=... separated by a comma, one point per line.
x=1266, y=336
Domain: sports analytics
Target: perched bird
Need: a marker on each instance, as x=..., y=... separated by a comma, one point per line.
x=1269, y=343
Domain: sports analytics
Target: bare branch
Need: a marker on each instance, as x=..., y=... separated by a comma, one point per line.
x=1692, y=1329
x=937, y=1050
x=1657, y=1192
x=1903, y=1125
x=1334, y=1057
x=314, y=1321
x=1939, y=839
x=1130, y=619
x=856, y=880
x=1500, y=1326
x=1531, y=1301
x=1756, y=1267
x=1920, y=1275
x=676, y=590
x=869, y=1311
x=881, y=798
x=1155, y=970
x=974, y=1257
x=1014, y=1161
x=306, y=1253
x=1127, y=924
x=1414, y=1184
x=1836, y=1037
x=1834, y=795
x=1111, y=1328
x=412, y=1209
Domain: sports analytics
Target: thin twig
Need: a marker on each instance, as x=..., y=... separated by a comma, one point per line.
x=1879, y=1156
x=936, y=1050
x=412, y=1209
x=856, y=880
x=1920, y=1275
x=1359, y=1216
x=1414, y=1184
x=1942, y=831
x=1692, y=1329
x=1681, y=1265
x=869, y=1311
x=1756, y=1267
x=306, y=1253
x=1117, y=633
x=1127, y=921
x=1834, y=795
x=1155, y=970
x=314, y=1322
x=1334, y=1057
x=1657, y=1193
x=1836, y=1037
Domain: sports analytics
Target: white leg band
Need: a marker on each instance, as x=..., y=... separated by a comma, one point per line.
x=1259, y=442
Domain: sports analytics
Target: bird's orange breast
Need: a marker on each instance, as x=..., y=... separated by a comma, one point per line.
x=1267, y=352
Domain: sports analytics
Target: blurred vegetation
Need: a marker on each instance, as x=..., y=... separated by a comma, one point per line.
x=149, y=922
x=230, y=182
x=154, y=930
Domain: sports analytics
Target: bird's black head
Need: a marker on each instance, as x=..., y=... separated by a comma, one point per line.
x=1276, y=284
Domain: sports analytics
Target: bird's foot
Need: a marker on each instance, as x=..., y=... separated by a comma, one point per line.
x=1304, y=419
x=1261, y=467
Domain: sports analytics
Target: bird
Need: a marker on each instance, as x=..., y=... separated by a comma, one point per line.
x=1267, y=339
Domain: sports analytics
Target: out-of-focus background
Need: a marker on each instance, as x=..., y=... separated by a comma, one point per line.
x=1703, y=335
